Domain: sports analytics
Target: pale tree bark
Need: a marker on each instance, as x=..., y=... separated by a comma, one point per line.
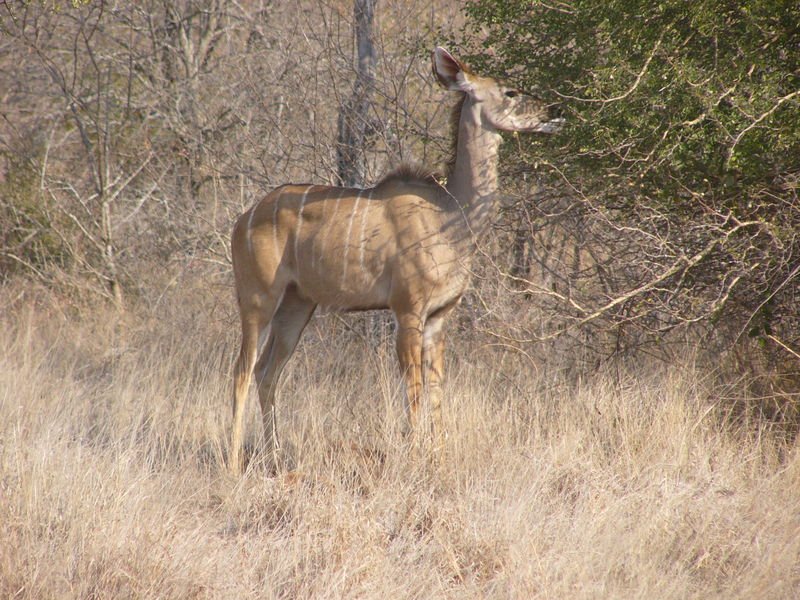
x=354, y=120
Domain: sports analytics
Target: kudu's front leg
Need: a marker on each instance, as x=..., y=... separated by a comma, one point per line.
x=409, y=354
x=433, y=372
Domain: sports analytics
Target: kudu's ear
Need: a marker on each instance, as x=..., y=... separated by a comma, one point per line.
x=451, y=72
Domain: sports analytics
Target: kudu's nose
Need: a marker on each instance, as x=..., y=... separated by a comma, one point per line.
x=554, y=111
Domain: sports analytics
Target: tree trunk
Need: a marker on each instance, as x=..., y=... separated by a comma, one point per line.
x=354, y=120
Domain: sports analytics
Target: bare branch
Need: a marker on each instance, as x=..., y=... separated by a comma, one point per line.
x=756, y=121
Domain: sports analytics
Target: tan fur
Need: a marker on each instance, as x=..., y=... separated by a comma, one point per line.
x=401, y=245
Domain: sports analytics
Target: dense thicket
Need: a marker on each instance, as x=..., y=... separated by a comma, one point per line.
x=675, y=185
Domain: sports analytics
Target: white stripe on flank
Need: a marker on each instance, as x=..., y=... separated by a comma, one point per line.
x=275, y=225
x=363, y=242
x=328, y=223
x=347, y=237
x=299, y=224
x=250, y=227
x=313, y=238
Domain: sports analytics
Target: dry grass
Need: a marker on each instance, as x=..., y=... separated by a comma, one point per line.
x=112, y=441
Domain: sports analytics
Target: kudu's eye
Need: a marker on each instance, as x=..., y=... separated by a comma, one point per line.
x=511, y=93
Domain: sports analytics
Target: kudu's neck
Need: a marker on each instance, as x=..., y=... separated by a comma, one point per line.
x=472, y=180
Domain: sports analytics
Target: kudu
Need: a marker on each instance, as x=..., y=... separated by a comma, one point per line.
x=403, y=244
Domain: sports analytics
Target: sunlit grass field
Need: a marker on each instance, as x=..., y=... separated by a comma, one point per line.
x=113, y=434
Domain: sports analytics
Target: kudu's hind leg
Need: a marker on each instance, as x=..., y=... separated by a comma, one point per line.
x=288, y=324
x=255, y=314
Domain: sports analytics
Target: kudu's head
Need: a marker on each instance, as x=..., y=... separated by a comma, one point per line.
x=504, y=108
